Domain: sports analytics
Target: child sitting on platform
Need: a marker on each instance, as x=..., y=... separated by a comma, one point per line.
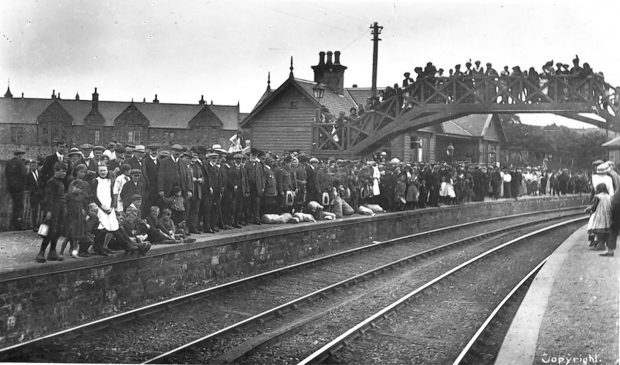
x=167, y=223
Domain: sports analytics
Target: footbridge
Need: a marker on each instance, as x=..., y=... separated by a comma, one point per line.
x=434, y=100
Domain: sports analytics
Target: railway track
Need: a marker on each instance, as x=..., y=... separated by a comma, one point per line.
x=65, y=345
x=412, y=332
x=484, y=345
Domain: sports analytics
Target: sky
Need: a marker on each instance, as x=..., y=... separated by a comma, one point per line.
x=224, y=50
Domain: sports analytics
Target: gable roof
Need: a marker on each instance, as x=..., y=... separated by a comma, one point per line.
x=333, y=102
x=55, y=112
x=133, y=116
x=205, y=118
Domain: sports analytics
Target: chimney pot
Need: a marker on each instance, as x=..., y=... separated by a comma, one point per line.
x=354, y=86
x=202, y=100
x=329, y=58
x=22, y=95
x=53, y=94
x=337, y=58
x=321, y=58
x=155, y=100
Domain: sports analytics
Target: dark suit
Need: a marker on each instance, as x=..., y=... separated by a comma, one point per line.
x=15, y=172
x=256, y=183
x=215, y=183
x=168, y=175
x=130, y=189
x=135, y=163
x=149, y=177
x=312, y=186
x=34, y=185
x=47, y=171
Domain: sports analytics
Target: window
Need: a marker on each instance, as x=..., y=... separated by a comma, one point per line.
x=136, y=136
x=96, y=136
x=130, y=136
x=17, y=135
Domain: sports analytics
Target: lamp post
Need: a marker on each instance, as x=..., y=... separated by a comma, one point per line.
x=318, y=91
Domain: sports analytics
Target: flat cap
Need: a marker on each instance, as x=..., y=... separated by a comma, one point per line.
x=177, y=147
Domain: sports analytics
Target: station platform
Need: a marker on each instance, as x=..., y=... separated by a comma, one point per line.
x=570, y=312
x=37, y=299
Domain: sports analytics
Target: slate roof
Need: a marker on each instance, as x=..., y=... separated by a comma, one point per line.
x=332, y=101
x=160, y=115
x=472, y=125
x=360, y=94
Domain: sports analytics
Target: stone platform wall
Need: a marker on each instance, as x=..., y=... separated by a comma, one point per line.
x=47, y=298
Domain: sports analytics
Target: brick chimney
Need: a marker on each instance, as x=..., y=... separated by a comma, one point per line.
x=155, y=101
x=202, y=100
x=95, y=102
x=53, y=94
x=330, y=72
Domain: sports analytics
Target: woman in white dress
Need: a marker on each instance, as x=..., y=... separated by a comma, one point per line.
x=103, y=195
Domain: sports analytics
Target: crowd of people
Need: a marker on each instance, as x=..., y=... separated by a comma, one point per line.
x=129, y=197
x=489, y=85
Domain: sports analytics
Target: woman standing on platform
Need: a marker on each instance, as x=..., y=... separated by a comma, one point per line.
x=54, y=206
x=102, y=190
x=600, y=218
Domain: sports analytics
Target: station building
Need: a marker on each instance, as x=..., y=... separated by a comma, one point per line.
x=284, y=119
x=34, y=124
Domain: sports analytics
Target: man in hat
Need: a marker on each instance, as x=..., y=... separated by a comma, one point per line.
x=228, y=190
x=238, y=184
x=408, y=80
x=312, y=185
x=198, y=193
x=15, y=172
x=212, y=212
x=97, y=159
x=287, y=185
x=58, y=156
x=168, y=174
x=299, y=168
x=87, y=151
x=151, y=165
x=256, y=182
x=137, y=160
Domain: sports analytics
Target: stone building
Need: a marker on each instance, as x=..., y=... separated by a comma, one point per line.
x=35, y=123
x=284, y=119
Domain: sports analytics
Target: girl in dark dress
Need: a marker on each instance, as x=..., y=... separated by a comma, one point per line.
x=76, y=217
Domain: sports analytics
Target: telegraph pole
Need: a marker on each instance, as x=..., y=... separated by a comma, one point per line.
x=376, y=30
